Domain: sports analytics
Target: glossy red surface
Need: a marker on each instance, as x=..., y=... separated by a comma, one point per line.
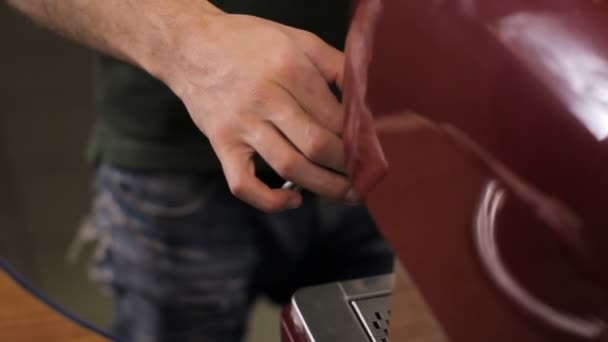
x=467, y=96
x=289, y=333
x=292, y=329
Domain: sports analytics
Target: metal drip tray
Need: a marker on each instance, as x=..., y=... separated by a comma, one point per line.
x=353, y=311
x=374, y=315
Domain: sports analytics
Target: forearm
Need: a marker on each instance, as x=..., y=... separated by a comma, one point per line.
x=141, y=32
x=249, y=84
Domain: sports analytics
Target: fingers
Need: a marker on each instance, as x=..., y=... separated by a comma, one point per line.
x=317, y=143
x=307, y=78
x=238, y=168
x=293, y=166
x=278, y=104
x=313, y=95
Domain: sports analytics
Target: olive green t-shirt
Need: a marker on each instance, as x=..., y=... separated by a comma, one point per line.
x=143, y=125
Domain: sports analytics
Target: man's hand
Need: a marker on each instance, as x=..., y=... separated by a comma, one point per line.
x=250, y=85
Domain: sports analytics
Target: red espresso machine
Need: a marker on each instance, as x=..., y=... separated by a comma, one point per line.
x=477, y=132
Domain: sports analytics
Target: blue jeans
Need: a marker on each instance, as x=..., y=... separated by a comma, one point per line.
x=184, y=259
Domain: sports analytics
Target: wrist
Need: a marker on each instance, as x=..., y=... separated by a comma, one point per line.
x=162, y=54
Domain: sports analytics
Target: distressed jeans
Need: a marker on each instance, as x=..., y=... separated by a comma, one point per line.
x=184, y=259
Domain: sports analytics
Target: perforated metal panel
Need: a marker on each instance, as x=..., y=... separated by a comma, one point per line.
x=374, y=314
x=349, y=311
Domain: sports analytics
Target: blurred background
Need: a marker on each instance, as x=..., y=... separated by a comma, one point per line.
x=46, y=113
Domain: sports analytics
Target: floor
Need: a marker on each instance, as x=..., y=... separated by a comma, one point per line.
x=45, y=118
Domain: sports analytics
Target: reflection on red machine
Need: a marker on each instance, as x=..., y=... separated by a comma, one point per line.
x=492, y=117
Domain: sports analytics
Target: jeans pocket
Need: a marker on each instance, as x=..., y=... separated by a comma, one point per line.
x=158, y=194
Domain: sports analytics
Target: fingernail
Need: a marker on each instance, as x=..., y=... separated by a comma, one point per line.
x=294, y=202
x=352, y=197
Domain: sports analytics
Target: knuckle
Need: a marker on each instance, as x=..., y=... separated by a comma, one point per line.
x=307, y=36
x=312, y=42
x=332, y=186
x=272, y=206
x=285, y=64
x=260, y=95
x=218, y=134
x=254, y=133
x=314, y=147
x=237, y=185
x=315, y=43
x=338, y=191
x=282, y=115
x=286, y=166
